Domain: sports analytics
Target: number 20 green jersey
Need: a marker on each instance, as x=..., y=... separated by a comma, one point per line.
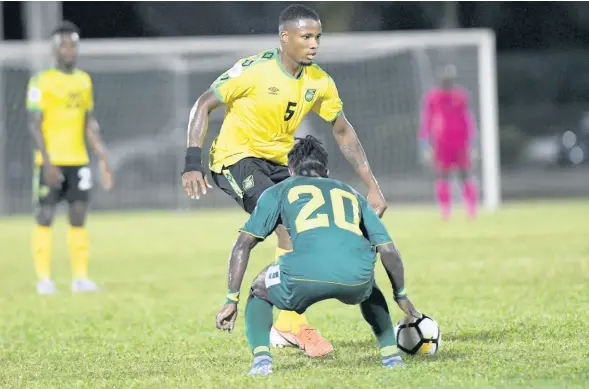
x=333, y=229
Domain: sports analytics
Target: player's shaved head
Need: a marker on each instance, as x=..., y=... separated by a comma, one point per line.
x=66, y=28
x=308, y=158
x=65, y=38
x=294, y=14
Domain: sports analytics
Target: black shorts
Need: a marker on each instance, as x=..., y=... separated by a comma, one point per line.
x=76, y=186
x=247, y=179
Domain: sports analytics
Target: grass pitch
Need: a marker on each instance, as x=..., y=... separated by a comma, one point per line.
x=510, y=292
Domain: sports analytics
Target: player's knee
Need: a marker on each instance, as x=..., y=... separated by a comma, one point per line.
x=45, y=214
x=77, y=213
x=258, y=288
x=283, y=238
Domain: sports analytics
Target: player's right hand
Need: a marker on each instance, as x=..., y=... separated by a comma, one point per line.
x=52, y=175
x=411, y=313
x=195, y=183
x=226, y=317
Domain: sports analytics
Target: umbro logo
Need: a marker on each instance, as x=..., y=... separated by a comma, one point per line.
x=273, y=90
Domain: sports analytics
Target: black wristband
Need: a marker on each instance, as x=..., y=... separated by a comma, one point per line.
x=192, y=161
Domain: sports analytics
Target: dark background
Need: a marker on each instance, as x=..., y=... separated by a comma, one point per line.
x=518, y=25
x=542, y=73
x=541, y=46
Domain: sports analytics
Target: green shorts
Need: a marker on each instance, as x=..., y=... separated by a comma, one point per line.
x=290, y=294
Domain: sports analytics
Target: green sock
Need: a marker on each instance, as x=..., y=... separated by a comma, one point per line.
x=376, y=312
x=258, y=322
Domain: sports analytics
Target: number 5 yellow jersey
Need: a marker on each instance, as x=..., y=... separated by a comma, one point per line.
x=64, y=99
x=264, y=107
x=332, y=227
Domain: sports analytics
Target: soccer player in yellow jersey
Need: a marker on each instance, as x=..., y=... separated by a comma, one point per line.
x=60, y=103
x=266, y=97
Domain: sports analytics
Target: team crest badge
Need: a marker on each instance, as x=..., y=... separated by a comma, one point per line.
x=248, y=182
x=310, y=94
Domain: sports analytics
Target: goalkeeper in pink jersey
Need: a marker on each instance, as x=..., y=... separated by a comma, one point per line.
x=447, y=136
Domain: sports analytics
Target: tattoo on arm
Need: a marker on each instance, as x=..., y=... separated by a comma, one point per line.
x=393, y=265
x=354, y=153
x=35, y=122
x=198, y=122
x=352, y=149
x=239, y=259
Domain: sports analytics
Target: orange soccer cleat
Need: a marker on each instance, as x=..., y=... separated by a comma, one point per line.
x=307, y=339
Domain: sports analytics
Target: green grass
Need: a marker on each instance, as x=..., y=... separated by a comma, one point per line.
x=510, y=292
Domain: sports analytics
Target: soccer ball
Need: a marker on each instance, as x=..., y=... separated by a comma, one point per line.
x=420, y=337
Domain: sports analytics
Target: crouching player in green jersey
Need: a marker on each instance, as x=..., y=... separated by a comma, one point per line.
x=335, y=235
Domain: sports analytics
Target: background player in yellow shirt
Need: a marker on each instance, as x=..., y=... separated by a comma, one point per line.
x=266, y=97
x=60, y=103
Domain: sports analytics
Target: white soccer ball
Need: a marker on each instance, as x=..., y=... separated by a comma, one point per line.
x=420, y=337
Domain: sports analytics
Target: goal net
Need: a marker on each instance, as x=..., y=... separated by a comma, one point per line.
x=144, y=89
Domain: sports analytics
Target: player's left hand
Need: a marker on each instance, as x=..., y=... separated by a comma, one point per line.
x=376, y=200
x=226, y=317
x=411, y=313
x=106, y=174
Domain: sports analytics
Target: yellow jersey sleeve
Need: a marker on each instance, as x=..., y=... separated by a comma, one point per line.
x=329, y=105
x=35, y=99
x=235, y=83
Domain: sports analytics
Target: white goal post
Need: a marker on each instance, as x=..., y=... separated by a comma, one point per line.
x=144, y=89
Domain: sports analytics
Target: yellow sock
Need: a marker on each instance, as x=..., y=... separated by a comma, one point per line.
x=78, y=249
x=41, y=247
x=288, y=321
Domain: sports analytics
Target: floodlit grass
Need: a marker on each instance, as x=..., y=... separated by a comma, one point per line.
x=510, y=292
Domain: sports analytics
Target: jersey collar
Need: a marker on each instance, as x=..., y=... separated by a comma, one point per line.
x=281, y=66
